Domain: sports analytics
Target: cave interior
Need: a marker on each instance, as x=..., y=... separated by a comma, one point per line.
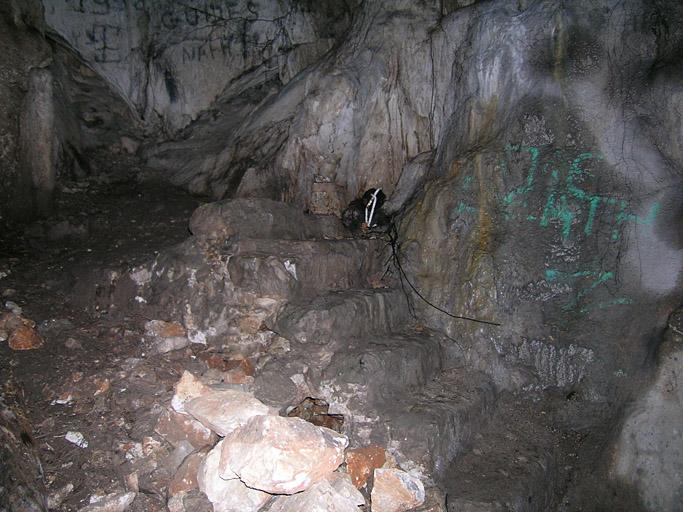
x=341, y=255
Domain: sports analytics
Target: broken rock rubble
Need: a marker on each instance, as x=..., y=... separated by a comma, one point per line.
x=266, y=462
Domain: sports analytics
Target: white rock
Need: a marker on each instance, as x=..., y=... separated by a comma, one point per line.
x=334, y=494
x=116, y=502
x=76, y=438
x=227, y=495
x=282, y=455
x=224, y=411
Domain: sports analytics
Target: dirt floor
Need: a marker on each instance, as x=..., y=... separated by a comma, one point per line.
x=92, y=375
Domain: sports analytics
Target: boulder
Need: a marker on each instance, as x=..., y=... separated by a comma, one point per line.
x=282, y=455
x=185, y=478
x=333, y=494
x=224, y=411
x=227, y=495
x=176, y=427
x=361, y=462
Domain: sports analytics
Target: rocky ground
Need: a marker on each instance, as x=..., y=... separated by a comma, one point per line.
x=102, y=401
x=98, y=399
x=92, y=375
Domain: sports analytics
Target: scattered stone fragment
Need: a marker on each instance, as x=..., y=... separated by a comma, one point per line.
x=236, y=369
x=185, y=478
x=161, y=329
x=396, y=491
x=115, y=502
x=10, y=321
x=282, y=455
x=361, y=462
x=227, y=495
x=176, y=427
x=102, y=385
x=193, y=501
x=76, y=438
x=167, y=336
x=25, y=338
x=73, y=344
x=57, y=497
x=333, y=494
x=14, y=307
x=315, y=410
x=187, y=388
x=224, y=411
x=3, y=335
x=133, y=482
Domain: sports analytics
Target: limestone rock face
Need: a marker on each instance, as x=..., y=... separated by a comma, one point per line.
x=38, y=138
x=23, y=49
x=282, y=455
x=172, y=60
x=649, y=450
x=224, y=411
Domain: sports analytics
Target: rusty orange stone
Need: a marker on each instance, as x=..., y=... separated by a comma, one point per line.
x=172, y=330
x=361, y=462
x=25, y=338
x=185, y=478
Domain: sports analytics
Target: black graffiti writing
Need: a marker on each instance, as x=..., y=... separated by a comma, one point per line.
x=103, y=39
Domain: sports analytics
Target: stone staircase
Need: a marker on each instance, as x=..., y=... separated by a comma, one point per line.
x=350, y=341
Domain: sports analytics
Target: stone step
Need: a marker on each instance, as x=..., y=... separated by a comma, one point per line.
x=434, y=425
x=343, y=314
x=263, y=219
x=281, y=268
x=369, y=372
x=512, y=464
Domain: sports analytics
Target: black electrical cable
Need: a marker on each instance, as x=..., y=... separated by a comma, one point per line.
x=393, y=241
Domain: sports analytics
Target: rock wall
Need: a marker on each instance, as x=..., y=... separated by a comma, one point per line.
x=170, y=60
x=649, y=450
x=554, y=211
x=23, y=49
x=553, y=180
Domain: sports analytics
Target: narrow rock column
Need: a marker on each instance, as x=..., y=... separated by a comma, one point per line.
x=37, y=136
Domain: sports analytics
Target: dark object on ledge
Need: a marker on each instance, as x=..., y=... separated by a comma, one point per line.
x=355, y=214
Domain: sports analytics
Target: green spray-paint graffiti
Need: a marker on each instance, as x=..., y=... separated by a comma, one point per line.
x=566, y=199
x=583, y=283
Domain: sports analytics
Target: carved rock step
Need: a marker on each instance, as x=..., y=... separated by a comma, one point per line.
x=371, y=371
x=282, y=267
x=436, y=424
x=512, y=465
x=343, y=315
